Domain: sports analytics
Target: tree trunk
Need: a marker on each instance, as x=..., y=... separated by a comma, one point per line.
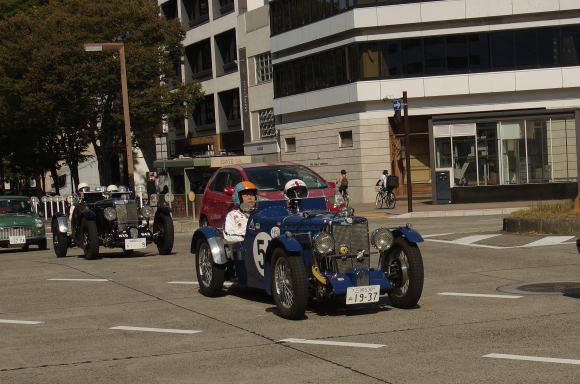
x=74, y=172
x=1, y=177
x=54, y=175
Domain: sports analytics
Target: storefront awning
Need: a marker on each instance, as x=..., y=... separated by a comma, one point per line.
x=183, y=162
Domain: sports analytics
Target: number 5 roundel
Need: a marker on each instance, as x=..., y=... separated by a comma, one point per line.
x=261, y=242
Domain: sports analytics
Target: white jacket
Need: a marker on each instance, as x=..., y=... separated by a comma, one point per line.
x=235, y=226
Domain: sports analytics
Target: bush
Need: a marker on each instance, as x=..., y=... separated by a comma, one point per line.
x=563, y=208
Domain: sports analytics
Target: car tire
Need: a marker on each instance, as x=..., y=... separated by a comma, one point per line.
x=289, y=274
x=403, y=265
x=59, y=241
x=210, y=275
x=203, y=221
x=164, y=226
x=90, y=239
x=42, y=245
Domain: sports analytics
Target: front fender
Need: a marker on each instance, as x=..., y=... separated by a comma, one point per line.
x=290, y=245
x=61, y=222
x=411, y=235
x=215, y=242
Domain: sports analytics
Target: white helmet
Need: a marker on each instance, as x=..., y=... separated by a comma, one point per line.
x=295, y=189
x=82, y=186
x=112, y=188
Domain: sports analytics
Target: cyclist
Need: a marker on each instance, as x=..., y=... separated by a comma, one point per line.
x=382, y=181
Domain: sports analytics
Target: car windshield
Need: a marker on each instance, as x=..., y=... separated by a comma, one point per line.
x=273, y=178
x=15, y=206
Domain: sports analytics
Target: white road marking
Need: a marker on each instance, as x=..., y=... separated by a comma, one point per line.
x=479, y=295
x=78, y=279
x=549, y=240
x=146, y=329
x=437, y=234
x=532, y=358
x=226, y=283
x=337, y=343
x=473, y=239
x=27, y=322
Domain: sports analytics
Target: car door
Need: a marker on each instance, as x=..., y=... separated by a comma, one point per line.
x=219, y=202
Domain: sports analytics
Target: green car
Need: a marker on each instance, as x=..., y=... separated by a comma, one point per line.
x=20, y=226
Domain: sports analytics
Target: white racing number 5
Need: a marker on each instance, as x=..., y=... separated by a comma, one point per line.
x=261, y=242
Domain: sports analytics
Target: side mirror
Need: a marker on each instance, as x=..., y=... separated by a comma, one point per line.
x=331, y=184
x=229, y=190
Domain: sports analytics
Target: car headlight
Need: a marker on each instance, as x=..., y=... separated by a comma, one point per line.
x=110, y=213
x=169, y=197
x=38, y=223
x=381, y=238
x=147, y=211
x=323, y=243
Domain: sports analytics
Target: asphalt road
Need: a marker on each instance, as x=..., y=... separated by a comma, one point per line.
x=449, y=338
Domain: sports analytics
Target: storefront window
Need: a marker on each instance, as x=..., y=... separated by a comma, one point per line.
x=443, y=152
x=537, y=146
x=513, y=152
x=487, y=154
x=464, y=161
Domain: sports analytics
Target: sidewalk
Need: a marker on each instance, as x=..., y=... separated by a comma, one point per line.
x=421, y=208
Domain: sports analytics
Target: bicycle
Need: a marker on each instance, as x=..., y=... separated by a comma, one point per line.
x=385, y=197
x=344, y=194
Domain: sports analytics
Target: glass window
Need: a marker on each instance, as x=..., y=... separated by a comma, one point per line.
x=412, y=52
x=443, y=152
x=267, y=126
x=487, y=160
x=562, y=148
x=369, y=61
x=273, y=178
x=345, y=139
x=457, y=53
x=502, y=50
x=570, y=49
x=434, y=55
x=526, y=52
x=290, y=144
x=537, y=147
x=220, y=181
x=263, y=68
x=392, y=51
x=464, y=163
x=548, y=47
x=479, y=52
x=513, y=152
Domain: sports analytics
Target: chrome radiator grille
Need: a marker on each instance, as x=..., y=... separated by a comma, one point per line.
x=127, y=215
x=6, y=232
x=355, y=236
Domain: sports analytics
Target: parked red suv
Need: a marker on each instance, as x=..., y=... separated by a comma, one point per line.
x=269, y=178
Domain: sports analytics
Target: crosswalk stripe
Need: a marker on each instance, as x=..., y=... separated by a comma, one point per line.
x=147, y=329
x=473, y=239
x=532, y=358
x=26, y=322
x=479, y=295
x=336, y=343
x=226, y=283
x=549, y=240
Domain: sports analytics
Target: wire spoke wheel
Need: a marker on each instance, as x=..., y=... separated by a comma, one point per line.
x=283, y=282
x=210, y=275
x=403, y=265
x=289, y=284
x=205, y=267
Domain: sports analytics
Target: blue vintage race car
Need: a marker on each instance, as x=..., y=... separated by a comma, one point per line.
x=306, y=252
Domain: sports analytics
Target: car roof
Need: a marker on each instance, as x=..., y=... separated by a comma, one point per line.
x=9, y=197
x=256, y=165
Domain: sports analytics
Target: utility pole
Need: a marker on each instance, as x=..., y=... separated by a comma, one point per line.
x=407, y=153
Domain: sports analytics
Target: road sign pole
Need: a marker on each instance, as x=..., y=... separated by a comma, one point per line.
x=407, y=154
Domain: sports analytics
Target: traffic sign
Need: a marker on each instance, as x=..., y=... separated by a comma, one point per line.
x=397, y=104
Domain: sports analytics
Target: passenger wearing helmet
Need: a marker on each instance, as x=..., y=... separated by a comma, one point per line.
x=294, y=191
x=244, y=199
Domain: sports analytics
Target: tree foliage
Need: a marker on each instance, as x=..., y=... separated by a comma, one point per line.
x=64, y=98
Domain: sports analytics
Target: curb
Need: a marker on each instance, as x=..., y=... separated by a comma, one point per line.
x=455, y=213
x=559, y=226
x=188, y=226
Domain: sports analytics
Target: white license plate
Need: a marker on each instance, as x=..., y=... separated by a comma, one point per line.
x=17, y=239
x=361, y=295
x=135, y=243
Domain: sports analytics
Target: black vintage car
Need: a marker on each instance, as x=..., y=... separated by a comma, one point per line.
x=113, y=220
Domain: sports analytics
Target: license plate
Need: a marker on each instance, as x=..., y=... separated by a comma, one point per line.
x=17, y=239
x=135, y=243
x=361, y=295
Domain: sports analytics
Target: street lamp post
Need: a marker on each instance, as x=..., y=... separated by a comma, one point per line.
x=120, y=47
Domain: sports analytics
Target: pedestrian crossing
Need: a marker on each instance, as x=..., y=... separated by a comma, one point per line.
x=500, y=240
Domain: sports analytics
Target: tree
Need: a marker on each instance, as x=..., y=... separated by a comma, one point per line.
x=65, y=98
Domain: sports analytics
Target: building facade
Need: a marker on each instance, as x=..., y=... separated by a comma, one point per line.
x=492, y=93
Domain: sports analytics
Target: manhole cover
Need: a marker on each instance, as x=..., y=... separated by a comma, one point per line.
x=568, y=288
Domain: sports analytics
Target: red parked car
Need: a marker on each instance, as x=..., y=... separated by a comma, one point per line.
x=269, y=178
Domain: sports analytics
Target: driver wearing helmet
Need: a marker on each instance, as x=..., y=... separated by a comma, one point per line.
x=81, y=189
x=244, y=197
x=112, y=188
x=294, y=191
